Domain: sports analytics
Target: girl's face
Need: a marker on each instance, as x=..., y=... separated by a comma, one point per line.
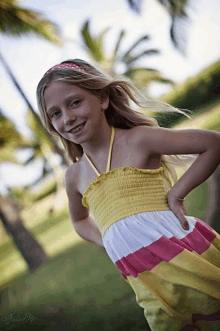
x=69, y=106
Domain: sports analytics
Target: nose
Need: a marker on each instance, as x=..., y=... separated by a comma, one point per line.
x=68, y=118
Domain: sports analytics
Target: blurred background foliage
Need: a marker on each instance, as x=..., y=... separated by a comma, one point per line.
x=198, y=94
x=142, y=76
x=177, y=10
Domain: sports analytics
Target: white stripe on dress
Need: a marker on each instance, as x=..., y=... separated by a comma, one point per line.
x=140, y=230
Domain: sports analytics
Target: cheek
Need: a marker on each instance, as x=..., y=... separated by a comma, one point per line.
x=50, y=124
x=56, y=125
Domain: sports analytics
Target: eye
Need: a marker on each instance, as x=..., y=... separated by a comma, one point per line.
x=75, y=103
x=54, y=113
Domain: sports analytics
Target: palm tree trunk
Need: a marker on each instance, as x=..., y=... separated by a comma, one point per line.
x=30, y=249
x=57, y=149
x=213, y=212
x=58, y=172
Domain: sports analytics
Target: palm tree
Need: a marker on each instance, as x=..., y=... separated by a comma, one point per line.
x=30, y=249
x=50, y=140
x=177, y=10
x=142, y=76
x=17, y=21
x=42, y=148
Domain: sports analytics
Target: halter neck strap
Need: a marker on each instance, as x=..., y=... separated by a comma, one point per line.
x=110, y=149
x=109, y=155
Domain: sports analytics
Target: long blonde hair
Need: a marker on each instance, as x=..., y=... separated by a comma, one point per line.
x=120, y=113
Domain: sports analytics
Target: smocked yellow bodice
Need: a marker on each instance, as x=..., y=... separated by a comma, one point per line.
x=124, y=191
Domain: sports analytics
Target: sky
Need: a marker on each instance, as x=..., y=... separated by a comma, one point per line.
x=30, y=57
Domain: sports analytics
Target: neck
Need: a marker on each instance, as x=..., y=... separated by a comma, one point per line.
x=99, y=141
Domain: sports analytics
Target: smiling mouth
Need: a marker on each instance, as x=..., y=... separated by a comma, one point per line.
x=78, y=128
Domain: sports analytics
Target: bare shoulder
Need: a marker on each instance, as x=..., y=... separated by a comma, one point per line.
x=161, y=140
x=71, y=177
x=77, y=210
x=138, y=131
x=138, y=135
x=70, y=173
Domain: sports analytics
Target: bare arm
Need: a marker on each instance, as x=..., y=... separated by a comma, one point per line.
x=83, y=223
x=88, y=230
x=172, y=142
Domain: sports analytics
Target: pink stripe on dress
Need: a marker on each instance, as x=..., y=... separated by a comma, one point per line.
x=165, y=249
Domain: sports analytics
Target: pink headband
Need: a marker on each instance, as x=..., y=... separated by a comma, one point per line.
x=64, y=65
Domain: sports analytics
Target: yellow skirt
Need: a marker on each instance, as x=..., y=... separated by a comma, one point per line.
x=175, y=273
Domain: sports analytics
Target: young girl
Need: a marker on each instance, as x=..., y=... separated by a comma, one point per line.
x=121, y=194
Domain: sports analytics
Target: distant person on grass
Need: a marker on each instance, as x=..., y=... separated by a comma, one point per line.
x=123, y=174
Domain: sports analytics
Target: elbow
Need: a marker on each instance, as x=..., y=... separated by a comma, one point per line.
x=216, y=137
x=213, y=153
x=216, y=142
x=213, y=141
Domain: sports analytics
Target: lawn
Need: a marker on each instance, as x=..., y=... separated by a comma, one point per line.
x=80, y=288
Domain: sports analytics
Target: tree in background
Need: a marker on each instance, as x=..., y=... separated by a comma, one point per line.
x=141, y=76
x=30, y=249
x=177, y=10
x=17, y=21
x=41, y=149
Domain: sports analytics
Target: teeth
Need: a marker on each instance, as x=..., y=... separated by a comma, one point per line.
x=78, y=128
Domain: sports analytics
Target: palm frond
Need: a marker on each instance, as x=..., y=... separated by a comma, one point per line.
x=138, y=42
x=37, y=153
x=132, y=71
x=174, y=8
x=45, y=172
x=161, y=79
x=8, y=132
x=133, y=59
x=179, y=31
x=7, y=154
x=16, y=20
x=118, y=43
x=180, y=20
x=25, y=144
x=30, y=160
x=143, y=76
x=135, y=5
x=91, y=43
x=39, y=135
x=101, y=36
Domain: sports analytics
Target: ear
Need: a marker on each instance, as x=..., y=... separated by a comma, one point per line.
x=104, y=97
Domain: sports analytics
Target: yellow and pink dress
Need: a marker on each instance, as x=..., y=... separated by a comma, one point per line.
x=174, y=273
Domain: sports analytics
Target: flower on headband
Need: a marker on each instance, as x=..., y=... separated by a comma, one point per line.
x=64, y=65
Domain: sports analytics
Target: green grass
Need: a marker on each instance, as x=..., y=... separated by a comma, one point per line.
x=80, y=288
x=80, y=284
